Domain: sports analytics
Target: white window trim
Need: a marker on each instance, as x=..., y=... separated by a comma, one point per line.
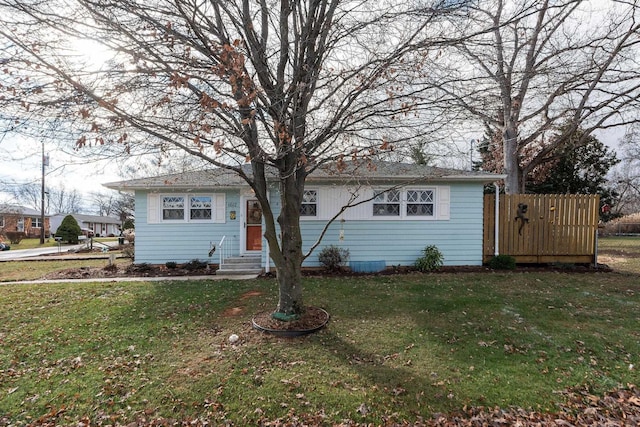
x=184, y=208
x=386, y=192
x=438, y=193
x=188, y=208
x=155, y=208
x=35, y=222
x=406, y=202
x=316, y=216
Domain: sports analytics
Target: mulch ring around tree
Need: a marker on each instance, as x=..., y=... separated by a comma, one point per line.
x=312, y=320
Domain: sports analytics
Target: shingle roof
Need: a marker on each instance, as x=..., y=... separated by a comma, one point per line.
x=349, y=172
x=19, y=210
x=183, y=181
x=92, y=218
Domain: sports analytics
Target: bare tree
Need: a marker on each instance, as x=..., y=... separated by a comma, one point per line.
x=29, y=195
x=546, y=64
x=119, y=205
x=62, y=200
x=57, y=199
x=626, y=179
x=284, y=85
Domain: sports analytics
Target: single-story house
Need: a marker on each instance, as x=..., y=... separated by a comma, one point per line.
x=399, y=210
x=19, y=218
x=91, y=225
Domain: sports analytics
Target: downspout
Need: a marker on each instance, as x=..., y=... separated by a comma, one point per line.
x=266, y=244
x=496, y=231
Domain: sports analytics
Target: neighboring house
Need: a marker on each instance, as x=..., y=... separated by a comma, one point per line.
x=19, y=218
x=91, y=225
x=180, y=217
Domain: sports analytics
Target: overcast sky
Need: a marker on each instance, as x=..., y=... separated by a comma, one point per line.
x=20, y=159
x=20, y=163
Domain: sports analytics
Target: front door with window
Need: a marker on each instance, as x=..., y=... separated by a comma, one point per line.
x=253, y=221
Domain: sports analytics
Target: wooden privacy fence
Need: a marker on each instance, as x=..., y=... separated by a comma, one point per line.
x=554, y=228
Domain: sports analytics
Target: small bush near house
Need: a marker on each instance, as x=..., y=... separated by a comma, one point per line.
x=195, y=264
x=128, y=252
x=112, y=268
x=503, y=262
x=129, y=234
x=15, y=237
x=333, y=257
x=69, y=230
x=143, y=267
x=430, y=260
x=171, y=265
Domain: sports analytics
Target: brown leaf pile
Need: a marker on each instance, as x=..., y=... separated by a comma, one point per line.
x=615, y=409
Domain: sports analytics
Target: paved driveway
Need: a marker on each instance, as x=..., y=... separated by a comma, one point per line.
x=16, y=254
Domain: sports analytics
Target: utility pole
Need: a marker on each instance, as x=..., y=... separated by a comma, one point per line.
x=42, y=224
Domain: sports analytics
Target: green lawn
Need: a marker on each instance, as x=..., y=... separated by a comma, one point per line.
x=11, y=271
x=32, y=243
x=620, y=253
x=35, y=243
x=397, y=347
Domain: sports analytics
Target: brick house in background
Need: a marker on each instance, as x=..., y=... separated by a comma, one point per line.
x=19, y=218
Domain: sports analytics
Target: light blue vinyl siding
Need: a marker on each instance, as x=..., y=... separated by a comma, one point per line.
x=182, y=241
x=397, y=242
x=400, y=242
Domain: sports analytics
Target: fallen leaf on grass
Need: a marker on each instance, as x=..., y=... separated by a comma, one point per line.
x=363, y=409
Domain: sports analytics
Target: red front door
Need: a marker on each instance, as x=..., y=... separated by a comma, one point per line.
x=254, y=226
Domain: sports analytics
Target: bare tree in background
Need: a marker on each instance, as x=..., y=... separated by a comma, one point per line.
x=28, y=195
x=117, y=205
x=285, y=86
x=57, y=199
x=546, y=64
x=61, y=200
x=626, y=179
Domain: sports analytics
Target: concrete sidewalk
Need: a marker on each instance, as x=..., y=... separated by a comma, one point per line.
x=133, y=279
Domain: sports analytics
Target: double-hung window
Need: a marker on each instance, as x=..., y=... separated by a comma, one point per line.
x=411, y=203
x=173, y=208
x=186, y=208
x=309, y=206
x=200, y=208
x=420, y=203
x=386, y=203
x=35, y=222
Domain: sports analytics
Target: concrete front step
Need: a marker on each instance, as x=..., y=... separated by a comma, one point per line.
x=241, y=265
x=224, y=272
x=256, y=260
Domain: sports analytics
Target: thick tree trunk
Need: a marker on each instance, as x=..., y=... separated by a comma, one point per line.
x=511, y=163
x=290, y=285
x=289, y=267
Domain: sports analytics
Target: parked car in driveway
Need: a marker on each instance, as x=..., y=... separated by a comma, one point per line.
x=4, y=247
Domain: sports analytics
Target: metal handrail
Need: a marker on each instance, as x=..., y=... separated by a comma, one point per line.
x=222, y=250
